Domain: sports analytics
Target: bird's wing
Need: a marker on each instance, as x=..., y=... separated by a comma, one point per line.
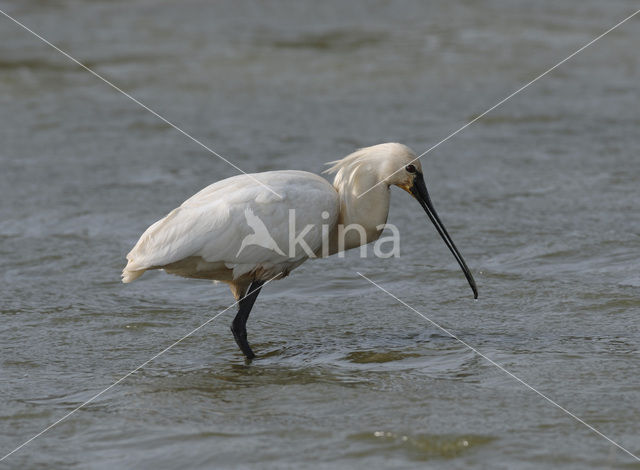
x=260, y=235
x=212, y=224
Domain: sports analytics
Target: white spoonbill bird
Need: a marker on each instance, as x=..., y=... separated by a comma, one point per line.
x=240, y=232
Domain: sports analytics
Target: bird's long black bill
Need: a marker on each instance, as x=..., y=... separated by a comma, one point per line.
x=419, y=191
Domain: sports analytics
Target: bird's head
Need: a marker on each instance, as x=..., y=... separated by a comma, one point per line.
x=396, y=164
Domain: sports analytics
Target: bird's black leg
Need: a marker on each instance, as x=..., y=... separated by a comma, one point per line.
x=238, y=326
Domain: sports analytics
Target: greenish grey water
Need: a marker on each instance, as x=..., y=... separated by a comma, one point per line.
x=541, y=196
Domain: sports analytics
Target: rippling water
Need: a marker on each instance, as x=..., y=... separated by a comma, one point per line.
x=541, y=196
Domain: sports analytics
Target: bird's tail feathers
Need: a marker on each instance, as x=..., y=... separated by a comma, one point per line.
x=130, y=275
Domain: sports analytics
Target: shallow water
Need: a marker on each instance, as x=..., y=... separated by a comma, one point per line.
x=541, y=197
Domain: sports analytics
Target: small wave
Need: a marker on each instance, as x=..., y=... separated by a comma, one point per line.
x=419, y=446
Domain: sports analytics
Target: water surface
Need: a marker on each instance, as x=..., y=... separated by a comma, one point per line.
x=541, y=196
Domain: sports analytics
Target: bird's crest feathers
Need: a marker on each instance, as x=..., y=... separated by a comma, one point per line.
x=359, y=156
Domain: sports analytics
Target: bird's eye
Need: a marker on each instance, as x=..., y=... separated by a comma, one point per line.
x=410, y=168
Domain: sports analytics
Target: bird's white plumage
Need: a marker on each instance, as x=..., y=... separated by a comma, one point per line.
x=240, y=232
x=203, y=237
x=237, y=231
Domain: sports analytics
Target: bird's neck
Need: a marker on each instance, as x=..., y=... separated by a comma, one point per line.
x=369, y=211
